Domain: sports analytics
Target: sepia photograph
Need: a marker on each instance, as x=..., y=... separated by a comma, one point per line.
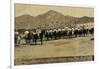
x=52, y=34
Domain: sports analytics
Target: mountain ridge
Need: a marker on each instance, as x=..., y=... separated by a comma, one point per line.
x=50, y=19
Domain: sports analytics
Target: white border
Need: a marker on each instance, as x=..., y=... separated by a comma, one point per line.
x=75, y=3
x=5, y=35
x=56, y=3
x=12, y=34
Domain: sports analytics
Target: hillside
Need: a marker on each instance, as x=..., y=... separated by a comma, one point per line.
x=50, y=19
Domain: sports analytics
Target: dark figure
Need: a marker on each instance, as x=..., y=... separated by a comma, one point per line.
x=84, y=32
x=70, y=33
x=66, y=33
x=50, y=35
x=55, y=35
x=59, y=34
x=41, y=36
x=80, y=32
x=62, y=33
x=91, y=31
x=26, y=38
x=30, y=37
x=76, y=33
x=35, y=37
x=47, y=35
x=87, y=32
x=17, y=40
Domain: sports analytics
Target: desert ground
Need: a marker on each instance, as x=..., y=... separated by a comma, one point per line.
x=29, y=54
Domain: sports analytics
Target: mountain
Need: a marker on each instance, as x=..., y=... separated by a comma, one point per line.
x=86, y=19
x=23, y=21
x=50, y=19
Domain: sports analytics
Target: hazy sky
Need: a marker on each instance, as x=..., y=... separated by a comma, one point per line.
x=34, y=10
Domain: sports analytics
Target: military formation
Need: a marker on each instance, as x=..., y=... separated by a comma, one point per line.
x=38, y=36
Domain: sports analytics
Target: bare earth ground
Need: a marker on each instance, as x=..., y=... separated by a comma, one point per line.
x=81, y=46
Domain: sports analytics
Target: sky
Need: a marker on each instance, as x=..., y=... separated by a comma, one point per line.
x=35, y=10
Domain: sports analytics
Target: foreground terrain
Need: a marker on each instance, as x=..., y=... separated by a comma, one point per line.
x=62, y=50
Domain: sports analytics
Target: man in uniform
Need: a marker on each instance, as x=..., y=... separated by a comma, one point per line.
x=17, y=39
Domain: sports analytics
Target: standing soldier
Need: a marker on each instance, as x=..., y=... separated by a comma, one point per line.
x=50, y=33
x=17, y=39
x=35, y=37
x=91, y=31
x=55, y=34
x=30, y=36
x=41, y=36
x=73, y=32
x=76, y=32
x=59, y=33
x=47, y=35
x=26, y=36
x=66, y=30
x=69, y=33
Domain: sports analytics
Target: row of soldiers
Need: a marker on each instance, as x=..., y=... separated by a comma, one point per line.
x=40, y=35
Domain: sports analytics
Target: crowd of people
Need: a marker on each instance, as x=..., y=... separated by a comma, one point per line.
x=34, y=36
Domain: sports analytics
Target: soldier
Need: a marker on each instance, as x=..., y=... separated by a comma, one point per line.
x=76, y=32
x=22, y=37
x=36, y=36
x=80, y=32
x=55, y=34
x=17, y=39
x=34, y=33
x=47, y=35
x=66, y=30
x=50, y=32
x=41, y=36
x=72, y=29
x=63, y=33
x=59, y=33
x=91, y=31
x=30, y=37
x=69, y=33
x=26, y=36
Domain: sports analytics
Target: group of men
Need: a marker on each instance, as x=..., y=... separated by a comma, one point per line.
x=40, y=35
